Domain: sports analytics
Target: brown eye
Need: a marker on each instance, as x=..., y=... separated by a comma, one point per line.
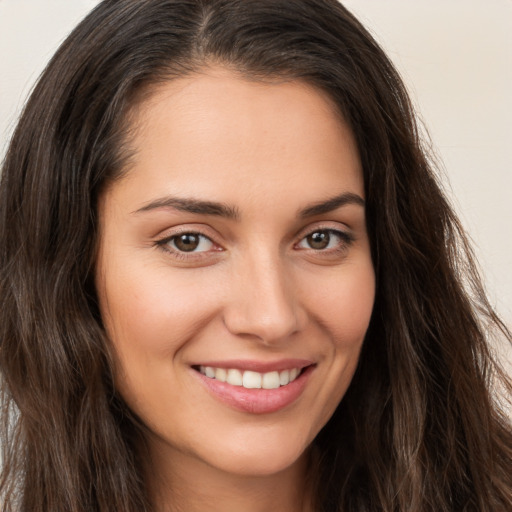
x=319, y=239
x=325, y=239
x=190, y=242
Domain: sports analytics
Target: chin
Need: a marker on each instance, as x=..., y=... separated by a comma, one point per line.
x=260, y=458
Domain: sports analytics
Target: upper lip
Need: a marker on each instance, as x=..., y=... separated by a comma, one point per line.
x=257, y=366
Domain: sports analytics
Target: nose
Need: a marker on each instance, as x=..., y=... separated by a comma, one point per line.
x=263, y=303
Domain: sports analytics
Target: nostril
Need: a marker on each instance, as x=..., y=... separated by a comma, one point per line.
x=265, y=328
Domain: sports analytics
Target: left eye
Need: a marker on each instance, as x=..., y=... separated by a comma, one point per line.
x=190, y=242
x=321, y=240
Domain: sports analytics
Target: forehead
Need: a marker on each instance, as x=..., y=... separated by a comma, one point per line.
x=215, y=132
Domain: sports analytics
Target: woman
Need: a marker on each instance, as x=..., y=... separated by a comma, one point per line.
x=230, y=278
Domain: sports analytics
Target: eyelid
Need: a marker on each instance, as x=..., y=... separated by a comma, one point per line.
x=181, y=229
x=335, y=227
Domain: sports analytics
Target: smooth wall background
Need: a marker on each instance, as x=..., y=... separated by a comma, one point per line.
x=455, y=56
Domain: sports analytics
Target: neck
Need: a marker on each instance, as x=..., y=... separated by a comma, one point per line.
x=188, y=484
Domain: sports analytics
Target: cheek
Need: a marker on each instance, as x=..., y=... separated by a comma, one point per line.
x=344, y=304
x=150, y=316
x=342, y=309
x=151, y=313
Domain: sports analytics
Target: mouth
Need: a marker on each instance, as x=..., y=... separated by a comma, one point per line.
x=256, y=392
x=250, y=379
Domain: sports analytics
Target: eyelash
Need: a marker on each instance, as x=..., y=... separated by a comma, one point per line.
x=346, y=239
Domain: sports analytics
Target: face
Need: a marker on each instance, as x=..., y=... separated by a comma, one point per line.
x=234, y=270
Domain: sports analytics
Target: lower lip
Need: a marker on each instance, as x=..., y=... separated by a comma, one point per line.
x=257, y=401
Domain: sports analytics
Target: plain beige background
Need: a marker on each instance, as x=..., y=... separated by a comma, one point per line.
x=455, y=56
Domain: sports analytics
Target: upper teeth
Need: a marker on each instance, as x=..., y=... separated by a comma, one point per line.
x=249, y=379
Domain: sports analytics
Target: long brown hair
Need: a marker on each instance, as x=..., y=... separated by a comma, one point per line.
x=419, y=428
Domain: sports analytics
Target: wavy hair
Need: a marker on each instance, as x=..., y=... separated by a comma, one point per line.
x=419, y=428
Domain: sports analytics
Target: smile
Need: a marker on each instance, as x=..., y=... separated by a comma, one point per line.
x=241, y=386
x=250, y=379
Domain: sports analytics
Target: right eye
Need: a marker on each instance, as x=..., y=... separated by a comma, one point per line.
x=188, y=243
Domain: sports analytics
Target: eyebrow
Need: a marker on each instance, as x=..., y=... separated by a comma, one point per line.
x=232, y=212
x=192, y=206
x=331, y=204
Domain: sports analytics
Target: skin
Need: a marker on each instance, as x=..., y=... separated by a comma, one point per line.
x=254, y=289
